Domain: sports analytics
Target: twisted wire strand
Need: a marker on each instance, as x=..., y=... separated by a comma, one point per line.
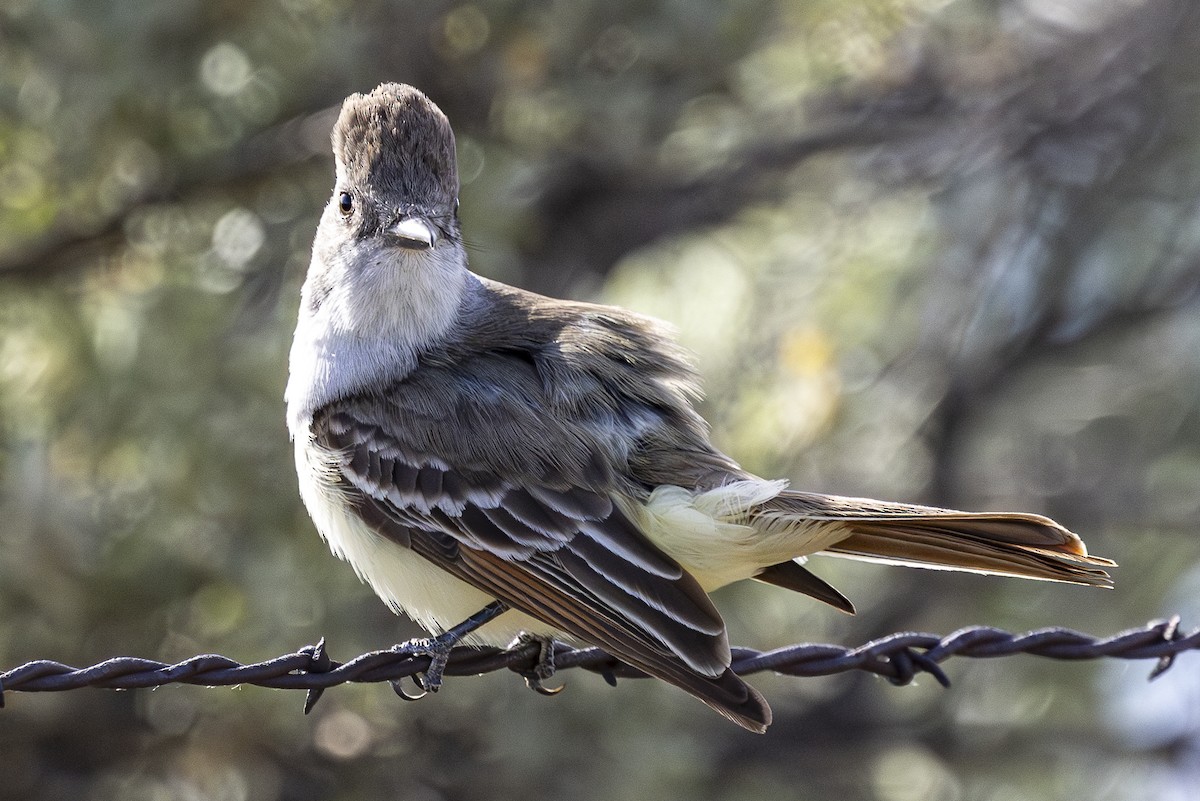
x=897, y=657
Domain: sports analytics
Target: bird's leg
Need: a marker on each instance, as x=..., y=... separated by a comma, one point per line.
x=438, y=648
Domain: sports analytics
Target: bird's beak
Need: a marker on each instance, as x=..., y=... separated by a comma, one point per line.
x=413, y=233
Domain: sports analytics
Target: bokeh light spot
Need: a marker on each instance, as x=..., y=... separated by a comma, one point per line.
x=225, y=69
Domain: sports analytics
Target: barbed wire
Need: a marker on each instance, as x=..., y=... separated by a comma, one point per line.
x=897, y=657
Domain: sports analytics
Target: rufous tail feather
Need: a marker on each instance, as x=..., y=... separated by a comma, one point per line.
x=1002, y=543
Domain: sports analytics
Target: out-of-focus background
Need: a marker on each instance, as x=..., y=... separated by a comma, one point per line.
x=945, y=252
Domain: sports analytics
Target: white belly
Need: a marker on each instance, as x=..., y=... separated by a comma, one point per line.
x=407, y=582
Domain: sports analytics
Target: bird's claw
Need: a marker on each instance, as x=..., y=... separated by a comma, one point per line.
x=543, y=668
x=438, y=650
x=398, y=688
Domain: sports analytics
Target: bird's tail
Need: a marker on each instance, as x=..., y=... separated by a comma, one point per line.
x=1002, y=543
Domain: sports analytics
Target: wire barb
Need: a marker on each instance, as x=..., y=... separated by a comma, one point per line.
x=1170, y=632
x=897, y=657
x=321, y=663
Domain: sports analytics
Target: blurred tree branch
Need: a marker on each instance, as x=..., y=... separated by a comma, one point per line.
x=616, y=210
x=64, y=248
x=1074, y=119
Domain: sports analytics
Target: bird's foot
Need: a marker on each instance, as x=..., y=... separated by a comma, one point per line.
x=543, y=668
x=438, y=648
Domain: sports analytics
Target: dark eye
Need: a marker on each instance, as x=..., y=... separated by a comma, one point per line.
x=345, y=203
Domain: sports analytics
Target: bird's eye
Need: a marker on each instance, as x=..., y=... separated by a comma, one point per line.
x=345, y=203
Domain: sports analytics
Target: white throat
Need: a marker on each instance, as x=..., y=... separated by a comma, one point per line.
x=365, y=314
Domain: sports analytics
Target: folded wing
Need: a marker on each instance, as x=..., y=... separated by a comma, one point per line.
x=559, y=551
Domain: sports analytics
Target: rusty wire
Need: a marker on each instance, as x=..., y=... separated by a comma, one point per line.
x=897, y=657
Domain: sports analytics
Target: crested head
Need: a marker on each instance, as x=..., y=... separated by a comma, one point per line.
x=396, y=142
x=388, y=270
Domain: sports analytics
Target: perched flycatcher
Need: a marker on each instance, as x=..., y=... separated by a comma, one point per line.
x=471, y=446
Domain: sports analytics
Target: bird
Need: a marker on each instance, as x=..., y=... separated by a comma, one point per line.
x=499, y=464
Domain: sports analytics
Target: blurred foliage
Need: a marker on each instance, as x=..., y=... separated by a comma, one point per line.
x=944, y=252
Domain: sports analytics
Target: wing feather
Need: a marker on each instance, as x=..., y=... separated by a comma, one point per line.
x=556, y=549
